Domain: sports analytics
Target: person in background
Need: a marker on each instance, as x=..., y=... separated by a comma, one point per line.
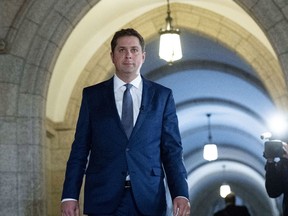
x=125, y=165
x=231, y=209
x=276, y=181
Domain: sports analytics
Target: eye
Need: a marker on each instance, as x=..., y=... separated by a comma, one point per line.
x=134, y=50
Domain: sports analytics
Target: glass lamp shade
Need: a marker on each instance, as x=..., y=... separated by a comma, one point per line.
x=225, y=190
x=170, y=46
x=210, y=152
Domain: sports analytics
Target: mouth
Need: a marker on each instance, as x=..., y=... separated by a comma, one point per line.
x=128, y=63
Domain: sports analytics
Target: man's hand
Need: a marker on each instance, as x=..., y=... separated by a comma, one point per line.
x=181, y=206
x=70, y=208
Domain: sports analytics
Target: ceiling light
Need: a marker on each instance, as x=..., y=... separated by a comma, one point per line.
x=210, y=151
x=225, y=190
x=170, y=44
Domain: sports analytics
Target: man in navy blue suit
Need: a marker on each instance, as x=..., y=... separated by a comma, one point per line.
x=125, y=173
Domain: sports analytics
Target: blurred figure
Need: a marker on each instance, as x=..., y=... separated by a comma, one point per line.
x=231, y=208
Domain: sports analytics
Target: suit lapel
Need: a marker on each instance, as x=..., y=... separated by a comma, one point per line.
x=110, y=101
x=147, y=96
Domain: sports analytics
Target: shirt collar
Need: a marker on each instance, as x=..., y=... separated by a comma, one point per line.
x=118, y=83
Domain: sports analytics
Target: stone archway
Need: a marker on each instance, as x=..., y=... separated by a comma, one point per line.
x=98, y=68
x=34, y=41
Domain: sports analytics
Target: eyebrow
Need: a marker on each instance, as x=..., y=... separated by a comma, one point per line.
x=129, y=46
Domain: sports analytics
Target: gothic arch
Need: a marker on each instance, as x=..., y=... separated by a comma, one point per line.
x=35, y=39
x=192, y=18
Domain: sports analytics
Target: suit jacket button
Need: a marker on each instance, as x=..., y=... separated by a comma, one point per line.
x=127, y=149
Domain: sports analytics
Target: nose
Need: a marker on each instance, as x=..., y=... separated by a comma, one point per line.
x=128, y=54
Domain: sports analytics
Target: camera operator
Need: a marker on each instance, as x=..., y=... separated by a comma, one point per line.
x=277, y=176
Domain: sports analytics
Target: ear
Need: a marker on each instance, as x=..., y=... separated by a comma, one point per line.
x=143, y=56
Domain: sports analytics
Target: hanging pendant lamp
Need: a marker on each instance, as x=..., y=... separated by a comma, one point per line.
x=224, y=188
x=210, y=151
x=170, y=44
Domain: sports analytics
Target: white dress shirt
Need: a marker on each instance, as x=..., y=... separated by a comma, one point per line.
x=136, y=93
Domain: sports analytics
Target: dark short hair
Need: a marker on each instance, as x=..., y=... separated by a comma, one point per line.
x=127, y=32
x=230, y=198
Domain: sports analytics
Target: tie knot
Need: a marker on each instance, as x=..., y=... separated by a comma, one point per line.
x=128, y=86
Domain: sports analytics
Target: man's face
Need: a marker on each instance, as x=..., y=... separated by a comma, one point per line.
x=128, y=56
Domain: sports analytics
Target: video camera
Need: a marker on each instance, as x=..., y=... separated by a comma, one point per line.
x=273, y=149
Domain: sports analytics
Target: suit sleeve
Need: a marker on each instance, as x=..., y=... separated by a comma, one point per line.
x=77, y=161
x=172, y=152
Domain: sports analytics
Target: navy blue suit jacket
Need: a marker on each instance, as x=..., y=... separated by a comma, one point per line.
x=154, y=146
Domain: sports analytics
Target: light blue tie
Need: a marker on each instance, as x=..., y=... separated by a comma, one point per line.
x=127, y=110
